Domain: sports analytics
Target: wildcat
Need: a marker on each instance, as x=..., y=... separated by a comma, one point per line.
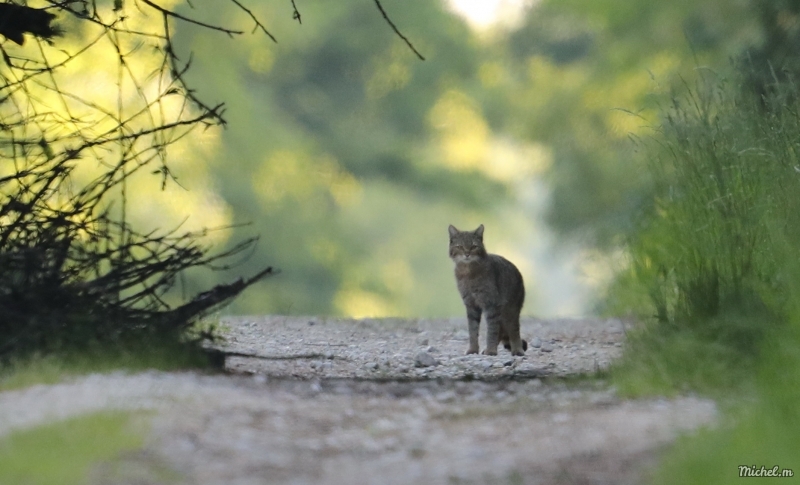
x=488, y=284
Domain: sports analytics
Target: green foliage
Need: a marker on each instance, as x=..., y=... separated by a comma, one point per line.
x=64, y=453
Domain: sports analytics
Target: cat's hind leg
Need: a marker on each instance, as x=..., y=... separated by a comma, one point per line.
x=507, y=344
x=504, y=338
x=510, y=322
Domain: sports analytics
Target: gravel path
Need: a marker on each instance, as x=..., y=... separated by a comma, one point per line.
x=402, y=348
x=350, y=402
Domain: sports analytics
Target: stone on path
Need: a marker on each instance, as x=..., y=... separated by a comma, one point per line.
x=424, y=359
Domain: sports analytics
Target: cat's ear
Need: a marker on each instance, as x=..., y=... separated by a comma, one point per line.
x=452, y=230
x=479, y=231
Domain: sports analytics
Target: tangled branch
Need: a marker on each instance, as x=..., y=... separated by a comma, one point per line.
x=74, y=269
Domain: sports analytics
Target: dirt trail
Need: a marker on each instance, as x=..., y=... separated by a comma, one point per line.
x=354, y=402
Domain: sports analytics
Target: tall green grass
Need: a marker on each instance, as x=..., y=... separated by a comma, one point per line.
x=709, y=257
x=715, y=276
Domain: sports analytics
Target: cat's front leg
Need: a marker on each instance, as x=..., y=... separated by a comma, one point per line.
x=493, y=325
x=474, y=323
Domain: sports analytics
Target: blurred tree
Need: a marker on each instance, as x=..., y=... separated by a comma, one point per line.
x=350, y=152
x=588, y=75
x=776, y=55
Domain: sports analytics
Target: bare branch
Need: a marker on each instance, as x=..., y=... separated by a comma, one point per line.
x=296, y=14
x=258, y=25
x=170, y=13
x=396, y=31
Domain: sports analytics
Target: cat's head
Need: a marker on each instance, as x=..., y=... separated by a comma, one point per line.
x=466, y=246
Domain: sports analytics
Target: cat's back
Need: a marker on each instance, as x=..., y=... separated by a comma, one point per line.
x=507, y=277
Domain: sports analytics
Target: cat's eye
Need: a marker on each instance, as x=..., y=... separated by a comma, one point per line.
x=473, y=247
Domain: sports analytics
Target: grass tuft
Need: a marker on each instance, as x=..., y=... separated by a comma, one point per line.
x=65, y=453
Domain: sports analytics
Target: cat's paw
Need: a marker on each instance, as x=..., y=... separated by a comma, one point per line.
x=518, y=353
x=489, y=352
x=472, y=351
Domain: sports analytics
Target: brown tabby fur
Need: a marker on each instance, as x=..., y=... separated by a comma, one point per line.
x=488, y=284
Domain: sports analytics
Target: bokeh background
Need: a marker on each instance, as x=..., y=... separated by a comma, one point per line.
x=349, y=156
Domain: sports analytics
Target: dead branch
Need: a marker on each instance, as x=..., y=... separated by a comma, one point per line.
x=397, y=31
